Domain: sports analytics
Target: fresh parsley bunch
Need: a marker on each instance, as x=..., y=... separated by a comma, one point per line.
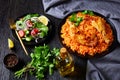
x=43, y=60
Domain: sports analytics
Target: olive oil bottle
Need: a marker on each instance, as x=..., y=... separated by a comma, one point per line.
x=64, y=62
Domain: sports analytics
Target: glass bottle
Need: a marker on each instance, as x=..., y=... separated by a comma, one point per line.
x=64, y=62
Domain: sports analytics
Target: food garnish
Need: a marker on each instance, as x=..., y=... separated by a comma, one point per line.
x=88, y=12
x=32, y=26
x=10, y=43
x=43, y=60
x=43, y=19
x=76, y=20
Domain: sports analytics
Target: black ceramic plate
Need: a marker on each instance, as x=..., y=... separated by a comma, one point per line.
x=39, y=40
x=110, y=48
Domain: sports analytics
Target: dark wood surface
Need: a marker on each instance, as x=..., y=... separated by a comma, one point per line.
x=13, y=9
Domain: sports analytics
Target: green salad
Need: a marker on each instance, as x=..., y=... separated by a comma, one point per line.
x=32, y=26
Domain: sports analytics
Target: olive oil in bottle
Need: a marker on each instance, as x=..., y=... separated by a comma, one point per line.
x=64, y=62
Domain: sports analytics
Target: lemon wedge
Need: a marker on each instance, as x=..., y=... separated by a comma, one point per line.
x=10, y=43
x=43, y=19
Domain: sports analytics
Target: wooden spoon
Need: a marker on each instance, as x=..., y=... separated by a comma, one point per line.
x=12, y=26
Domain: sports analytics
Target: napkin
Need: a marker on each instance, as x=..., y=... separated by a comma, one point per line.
x=108, y=66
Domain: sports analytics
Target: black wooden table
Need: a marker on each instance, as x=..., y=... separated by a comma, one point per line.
x=103, y=68
x=13, y=9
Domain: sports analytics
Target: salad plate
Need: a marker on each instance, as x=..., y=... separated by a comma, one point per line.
x=33, y=29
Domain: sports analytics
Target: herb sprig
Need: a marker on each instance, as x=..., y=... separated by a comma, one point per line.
x=88, y=12
x=43, y=60
x=76, y=20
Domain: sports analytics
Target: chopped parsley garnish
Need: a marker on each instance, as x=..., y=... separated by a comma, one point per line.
x=76, y=20
x=88, y=12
